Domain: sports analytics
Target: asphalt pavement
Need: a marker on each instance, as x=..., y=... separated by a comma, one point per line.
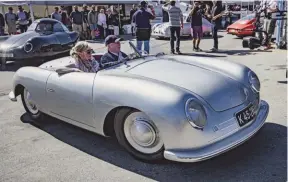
x=55, y=151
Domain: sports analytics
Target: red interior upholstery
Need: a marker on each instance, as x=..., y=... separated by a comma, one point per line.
x=98, y=57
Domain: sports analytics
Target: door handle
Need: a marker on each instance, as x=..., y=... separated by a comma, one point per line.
x=50, y=90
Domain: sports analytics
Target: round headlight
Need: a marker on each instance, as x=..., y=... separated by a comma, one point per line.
x=28, y=47
x=195, y=113
x=254, y=81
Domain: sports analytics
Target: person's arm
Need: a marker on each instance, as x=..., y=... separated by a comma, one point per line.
x=71, y=16
x=191, y=13
x=6, y=19
x=219, y=14
x=152, y=14
x=89, y=18
x=165, y=7
x=181, y=18
x=134, y=17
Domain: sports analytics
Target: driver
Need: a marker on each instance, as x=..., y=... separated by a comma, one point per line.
x=114, y=54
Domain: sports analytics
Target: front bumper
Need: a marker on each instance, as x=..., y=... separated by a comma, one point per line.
x=12, y=96
x=223, y=145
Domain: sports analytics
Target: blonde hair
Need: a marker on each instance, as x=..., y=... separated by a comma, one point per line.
x=78, y=48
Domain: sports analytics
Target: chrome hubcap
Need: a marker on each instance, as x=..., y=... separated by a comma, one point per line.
x=31, y=106
x=142, y=134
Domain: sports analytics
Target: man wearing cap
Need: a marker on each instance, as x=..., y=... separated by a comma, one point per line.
x=114, y=54
x=10, y=19
x=142, y=19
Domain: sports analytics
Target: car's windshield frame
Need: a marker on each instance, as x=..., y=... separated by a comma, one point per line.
x=35, y=25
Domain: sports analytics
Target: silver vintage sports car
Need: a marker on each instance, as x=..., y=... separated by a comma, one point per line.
x=162, y=30
x=177, y=107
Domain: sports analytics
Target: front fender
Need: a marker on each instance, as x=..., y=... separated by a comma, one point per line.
x=163, y=103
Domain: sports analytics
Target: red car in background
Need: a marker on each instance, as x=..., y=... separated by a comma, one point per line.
x=243, y=27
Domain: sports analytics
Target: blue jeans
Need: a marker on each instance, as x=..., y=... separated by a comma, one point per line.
x=146, y=45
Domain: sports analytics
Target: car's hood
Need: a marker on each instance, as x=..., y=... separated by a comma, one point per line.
x=17, y=40
x=216, y=88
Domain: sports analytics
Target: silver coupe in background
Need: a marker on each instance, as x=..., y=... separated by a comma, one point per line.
x=178, y=107
x=162, y=30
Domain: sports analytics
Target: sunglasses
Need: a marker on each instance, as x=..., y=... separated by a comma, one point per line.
x=89, y=51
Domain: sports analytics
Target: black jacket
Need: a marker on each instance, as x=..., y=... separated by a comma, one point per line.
x=2, y=21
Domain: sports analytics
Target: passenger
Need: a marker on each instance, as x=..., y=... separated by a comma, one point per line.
x=84, y=61
x=114, y=54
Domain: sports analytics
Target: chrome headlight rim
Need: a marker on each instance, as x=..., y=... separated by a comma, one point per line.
x=252, y=77
x=29, y=49
x=203, y=111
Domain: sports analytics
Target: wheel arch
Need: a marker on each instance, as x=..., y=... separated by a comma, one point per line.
x=18, y=89
x=108, y=126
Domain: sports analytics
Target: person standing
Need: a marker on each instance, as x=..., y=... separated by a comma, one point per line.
x=110, y=22
x=10, y=19
x=216, y=18
x=93, y=20
x=23, y=18
x=102, y=23
x=196, y=24
x=132, y=12
x=56, y=15
x=64, y=16
x=85, y=21
x=269, y=23
x=175, y=23
x=142, y=19
x=76, y=18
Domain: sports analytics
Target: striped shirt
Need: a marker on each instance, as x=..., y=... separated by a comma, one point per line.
x=175, y=15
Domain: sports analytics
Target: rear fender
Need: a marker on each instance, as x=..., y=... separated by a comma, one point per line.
x=34, y=80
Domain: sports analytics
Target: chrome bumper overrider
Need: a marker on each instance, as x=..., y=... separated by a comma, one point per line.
x=223, y=145
x=12, y=96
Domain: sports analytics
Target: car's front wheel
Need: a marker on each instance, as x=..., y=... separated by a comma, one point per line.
x=138, y=135
x=30, y=106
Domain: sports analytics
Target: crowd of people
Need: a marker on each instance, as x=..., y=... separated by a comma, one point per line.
x=91, y=23
x=11, y=19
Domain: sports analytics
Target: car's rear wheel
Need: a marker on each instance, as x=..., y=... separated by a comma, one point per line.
x=30, y=106
x=138, y=135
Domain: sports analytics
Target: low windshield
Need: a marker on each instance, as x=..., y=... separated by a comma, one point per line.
x=128, y=48
x=248, y=17
x=125, y=47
